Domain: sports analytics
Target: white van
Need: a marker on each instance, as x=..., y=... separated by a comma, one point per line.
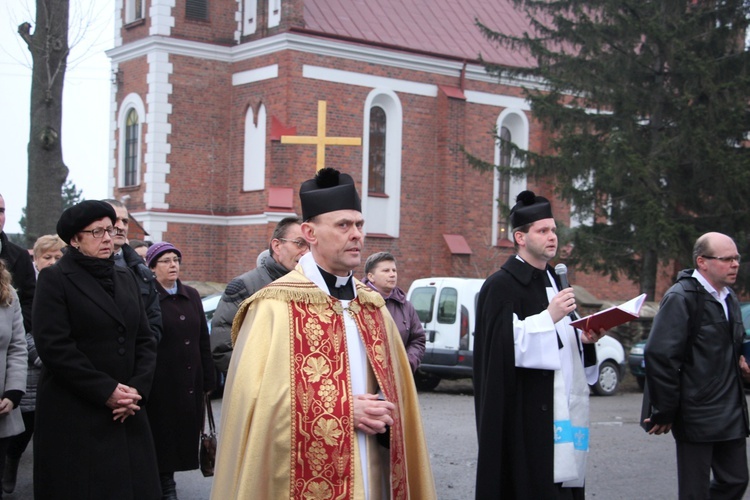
x=447, y=309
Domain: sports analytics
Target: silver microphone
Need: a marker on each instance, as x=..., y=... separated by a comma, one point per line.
x=561, y=270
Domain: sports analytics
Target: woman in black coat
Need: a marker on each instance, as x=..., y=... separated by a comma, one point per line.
x=184, y=369
x=92, y=438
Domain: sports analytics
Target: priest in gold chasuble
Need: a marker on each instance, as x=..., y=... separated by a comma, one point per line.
x=319, y=401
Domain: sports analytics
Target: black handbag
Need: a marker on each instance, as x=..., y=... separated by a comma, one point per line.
x=208, y=440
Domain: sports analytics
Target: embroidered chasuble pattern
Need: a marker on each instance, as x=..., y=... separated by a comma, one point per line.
x=323, y=432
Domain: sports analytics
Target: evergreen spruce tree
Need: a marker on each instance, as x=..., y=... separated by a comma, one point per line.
x=646, y=105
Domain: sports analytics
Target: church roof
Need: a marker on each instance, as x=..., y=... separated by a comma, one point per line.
x=441, y=27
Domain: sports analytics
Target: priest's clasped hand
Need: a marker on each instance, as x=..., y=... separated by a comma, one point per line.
x=562, y=304
x=372, y=415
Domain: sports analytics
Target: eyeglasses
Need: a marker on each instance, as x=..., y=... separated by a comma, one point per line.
x=176, y=260
x=99, y=231
x=299, y=243
x=727, y=259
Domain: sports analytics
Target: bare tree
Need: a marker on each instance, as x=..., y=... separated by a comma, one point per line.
x=49, y=50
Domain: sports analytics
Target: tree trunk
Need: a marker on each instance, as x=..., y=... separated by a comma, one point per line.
x=47, y=171
x=648, y=274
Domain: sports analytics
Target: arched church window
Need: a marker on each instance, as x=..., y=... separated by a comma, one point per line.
x=376, y=160
x=132, y=129
x=512, y=126
x=381, y=162
x=504, y=177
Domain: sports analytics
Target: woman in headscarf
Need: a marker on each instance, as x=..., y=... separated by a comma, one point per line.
x=92, y=438
x=184, y=369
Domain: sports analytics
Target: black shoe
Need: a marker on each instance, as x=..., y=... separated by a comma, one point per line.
x=9, y=474
x=168, y=487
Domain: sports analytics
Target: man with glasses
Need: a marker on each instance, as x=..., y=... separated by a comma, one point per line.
x=125, y=256
x=694, y=372
x=284, y=251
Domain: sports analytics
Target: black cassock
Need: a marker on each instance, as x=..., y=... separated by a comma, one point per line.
x=514, y=406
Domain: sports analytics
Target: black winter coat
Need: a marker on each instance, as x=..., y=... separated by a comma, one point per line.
x=184, y=371
x=18, y=262
x=698, y=389
x=513, y=406
x=147, y=285
x=89, y=341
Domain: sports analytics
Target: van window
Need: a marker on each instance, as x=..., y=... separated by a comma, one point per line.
x=423, y=300
x=447, y=306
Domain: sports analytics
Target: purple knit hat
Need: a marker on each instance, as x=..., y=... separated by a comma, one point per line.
x=157, y=249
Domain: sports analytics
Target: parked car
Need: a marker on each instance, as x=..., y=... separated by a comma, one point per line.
x=637, y=364
x=210, y=303
x=446, y=308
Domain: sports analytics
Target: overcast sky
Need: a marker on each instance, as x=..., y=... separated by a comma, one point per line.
x=86, y=101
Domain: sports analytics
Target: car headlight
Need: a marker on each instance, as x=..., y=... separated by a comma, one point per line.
x=638, y=350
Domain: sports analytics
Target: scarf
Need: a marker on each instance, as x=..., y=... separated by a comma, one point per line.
x=103, y=270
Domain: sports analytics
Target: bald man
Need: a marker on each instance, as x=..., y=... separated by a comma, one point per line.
x=694, y=373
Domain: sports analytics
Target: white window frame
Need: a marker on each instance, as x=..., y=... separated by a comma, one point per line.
x=130, y=10
x=383, y=214
x=131, y=101
x=516, y=121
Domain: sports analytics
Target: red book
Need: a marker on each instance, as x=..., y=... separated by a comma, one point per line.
x=612, y=317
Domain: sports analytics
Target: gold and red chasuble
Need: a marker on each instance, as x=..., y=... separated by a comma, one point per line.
x=323, y=433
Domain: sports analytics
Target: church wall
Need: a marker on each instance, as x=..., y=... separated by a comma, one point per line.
x=440, y=193
x=138, y=29
x=219, y=28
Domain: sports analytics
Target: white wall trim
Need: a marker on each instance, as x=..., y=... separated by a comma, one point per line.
x=369, y=81
x=118, y=22
x=256, y=75
x=113, y=138
x=254, y=158
x=156, y=223
x=501, y=101
x=158, y=132
x=162, y=20
x=274, y=13
x=312, y=45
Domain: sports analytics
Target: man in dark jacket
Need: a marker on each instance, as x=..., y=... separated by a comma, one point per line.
x=18, y=262
x=284, y=251
x=694, y=373
x=127, y=257
x=531, y=371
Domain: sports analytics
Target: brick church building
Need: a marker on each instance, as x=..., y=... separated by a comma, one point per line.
x=211, y=99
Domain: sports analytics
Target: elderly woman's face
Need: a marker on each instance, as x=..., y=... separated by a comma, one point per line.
x=47, y=258
x=167, y=268
x=101, y=247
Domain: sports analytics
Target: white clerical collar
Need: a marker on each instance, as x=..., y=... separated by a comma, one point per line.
x=311, y=271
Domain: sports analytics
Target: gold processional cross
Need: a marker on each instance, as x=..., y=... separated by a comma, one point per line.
x=320, y=140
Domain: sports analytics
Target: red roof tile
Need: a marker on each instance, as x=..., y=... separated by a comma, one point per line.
x=444, y=27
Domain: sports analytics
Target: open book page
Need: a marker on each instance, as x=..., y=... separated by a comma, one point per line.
x=612, y=317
